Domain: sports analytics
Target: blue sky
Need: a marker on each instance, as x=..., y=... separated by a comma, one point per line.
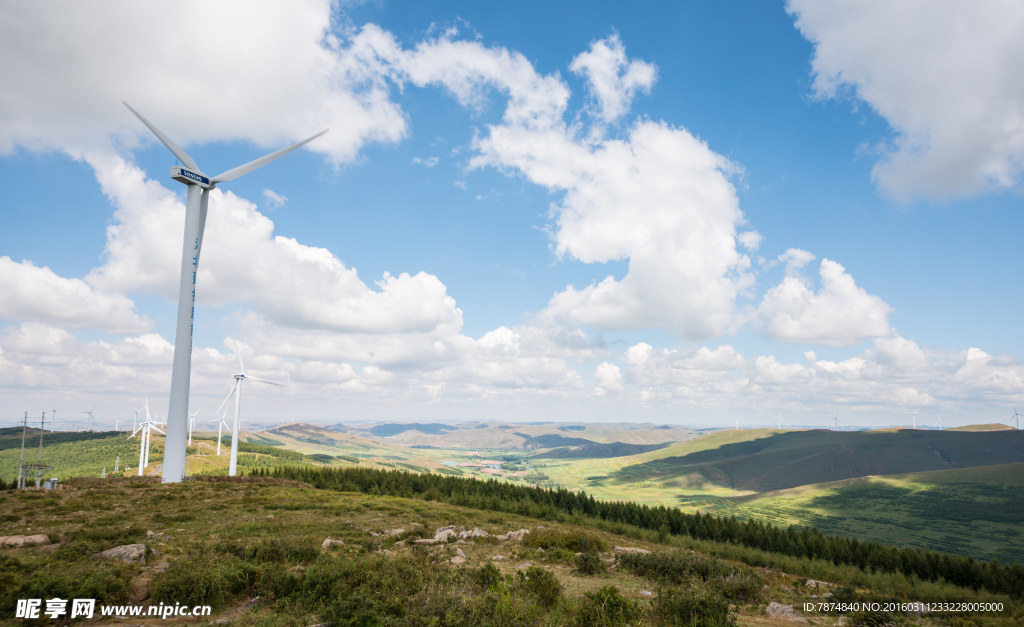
x=653, y=138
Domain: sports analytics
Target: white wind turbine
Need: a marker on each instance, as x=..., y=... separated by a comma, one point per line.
x=1017, y=415
x=89, y=414
x=836, y=421
x=737, y=423
x=221, y=425
x=939, y=423
x=146, y=429
x=913, y=416
x=780, y=421
x=136, y=420
x=191, y=426
x=237, y=391
x=196, y=203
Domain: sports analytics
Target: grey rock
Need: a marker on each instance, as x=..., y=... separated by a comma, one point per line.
x=427, y=541
x=630, y=549
x=811, y=583
x=498, y=558
x=219, y=621
x=457, y=560
x=248, y=605
x=152, y=535
x=645, y=593
x=514, y=535
x=394, y=532
x=459, y=553
x=784, y=612
x=127, y=553
x=328, y=543
x=524, y=565
x=22, y=541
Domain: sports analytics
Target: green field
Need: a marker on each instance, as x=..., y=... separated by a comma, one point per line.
x=767, y=460
x=973, y=511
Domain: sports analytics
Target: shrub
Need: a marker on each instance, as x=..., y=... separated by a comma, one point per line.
x=693, y=608
x=542, y=584
x=203, y=580
x=487, y=576
x=675, y=567
x=606, y=608
x=590, y=564
x=571, y=540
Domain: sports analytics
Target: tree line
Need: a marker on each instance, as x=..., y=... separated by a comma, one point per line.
x=536, y=502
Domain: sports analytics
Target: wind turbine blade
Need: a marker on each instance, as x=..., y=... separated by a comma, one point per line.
x=228, y=396
x=155, y=428
x=178, y=152
x=280, y=385
x=242, y=170
x=238, y=354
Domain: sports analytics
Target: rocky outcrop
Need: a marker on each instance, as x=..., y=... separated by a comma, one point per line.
x=514, y=535
x=127, y=553
x=23, y=541
x=784, y=612
x=631, y=549
x=328, y=543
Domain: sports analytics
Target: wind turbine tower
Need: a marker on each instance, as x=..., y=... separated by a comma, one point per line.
x=89, y=415
x=237, y=391
x=836, y=421
x=913, y=417
x=1017, y=415
x=939, y=423
x=780, y=421
x=196, y=204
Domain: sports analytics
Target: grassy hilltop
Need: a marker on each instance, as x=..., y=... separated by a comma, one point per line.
x=223, y=542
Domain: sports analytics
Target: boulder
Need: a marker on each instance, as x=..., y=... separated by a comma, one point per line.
x=817, y=584
x=427, y=541
x=514, y=535
x=459, y=553
x=784, y=612
x=444, y=533
x=394, y=532
x=328, y=543
x=152, y=535
x=498, y=558
x=457, y=560
x=646, y=593
x=631, y=549
x=127, y=553
x=22, y=541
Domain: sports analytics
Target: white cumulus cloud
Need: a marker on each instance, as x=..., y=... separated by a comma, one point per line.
x=944, y=74
x=840, y=313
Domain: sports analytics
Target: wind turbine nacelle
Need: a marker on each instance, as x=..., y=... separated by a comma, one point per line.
x=190, y=177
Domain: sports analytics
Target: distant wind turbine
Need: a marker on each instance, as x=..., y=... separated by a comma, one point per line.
x=737, y=423
x=191, y=426
x=221, y=425
x=54, y=416
x=146, y=429
x=836, y=421
x=196, y=203
x=939, y=423
x=89, y=414
x=780, y=421
x=913, y=417
x=237, y=391
x=1017, y=415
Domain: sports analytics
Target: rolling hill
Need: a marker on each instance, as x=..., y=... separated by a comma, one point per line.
x=968, y=511
x=764, y=460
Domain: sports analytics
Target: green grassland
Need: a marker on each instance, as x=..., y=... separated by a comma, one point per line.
x=225, y=541
x=973, y=511
x=767, y=460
